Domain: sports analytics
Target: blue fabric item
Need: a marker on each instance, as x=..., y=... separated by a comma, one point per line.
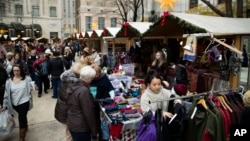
x=105, y=129
x=189, y=57
x=112, y=109
x=56, y=86
x=122, y=106
x=147, y=130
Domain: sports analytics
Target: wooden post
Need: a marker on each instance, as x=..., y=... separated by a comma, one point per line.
x=235, y=79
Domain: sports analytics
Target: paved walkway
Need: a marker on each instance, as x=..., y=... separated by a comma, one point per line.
x=42, y=124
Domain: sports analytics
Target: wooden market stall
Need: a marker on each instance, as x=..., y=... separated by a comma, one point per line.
x=179, y=26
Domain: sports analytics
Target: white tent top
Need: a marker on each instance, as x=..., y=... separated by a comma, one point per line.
x=13, y=38
x=99, y=32
x=141, y=26
x=217, y=25
x=25, y=38
x=89, y=33
x=113, y=30
x=78, y=34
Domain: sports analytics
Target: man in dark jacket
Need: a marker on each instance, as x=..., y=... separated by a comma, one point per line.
x=32, y=58
x=181, y=73
x=3, y=78
x=55, y=69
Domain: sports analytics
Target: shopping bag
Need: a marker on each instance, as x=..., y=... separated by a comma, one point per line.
x=7, y=123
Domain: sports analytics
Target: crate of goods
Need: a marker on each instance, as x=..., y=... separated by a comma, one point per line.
x=129, y=69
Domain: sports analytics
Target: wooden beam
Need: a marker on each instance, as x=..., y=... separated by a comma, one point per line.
x=228, y=46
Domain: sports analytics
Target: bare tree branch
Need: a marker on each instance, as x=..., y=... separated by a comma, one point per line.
x=216, y=10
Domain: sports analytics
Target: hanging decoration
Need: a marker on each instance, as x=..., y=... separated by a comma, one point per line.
x=166, y=4
x=165, y=14
x=125, y=25
x=80, y=36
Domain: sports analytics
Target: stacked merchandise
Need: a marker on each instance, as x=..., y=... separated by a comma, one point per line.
x=122, y=114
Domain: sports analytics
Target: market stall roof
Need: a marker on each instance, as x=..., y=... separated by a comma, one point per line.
x=110, y=31
x=217, y=25
x=177, y=24
x=42, y=39
x=133, y=29
x=96, y=34
x=80, y=35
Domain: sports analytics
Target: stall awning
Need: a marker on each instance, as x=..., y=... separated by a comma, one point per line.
x=3, y=26
x=36, y=27
x=216, y=25
x=133, y=29
x=17, y=26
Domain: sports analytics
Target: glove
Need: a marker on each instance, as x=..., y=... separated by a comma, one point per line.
x=112, y=94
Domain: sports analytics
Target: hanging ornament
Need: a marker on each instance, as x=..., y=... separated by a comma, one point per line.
x=166, y=3
x=125, y=25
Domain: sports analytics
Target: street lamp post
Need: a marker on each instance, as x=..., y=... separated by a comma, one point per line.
x=32, y=26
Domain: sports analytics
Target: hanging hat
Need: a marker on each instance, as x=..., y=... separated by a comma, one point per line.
x=180, y=89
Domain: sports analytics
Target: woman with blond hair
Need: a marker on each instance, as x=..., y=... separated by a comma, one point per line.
x=159, y=65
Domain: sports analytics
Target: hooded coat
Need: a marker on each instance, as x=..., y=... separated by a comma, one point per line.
x=80, y=114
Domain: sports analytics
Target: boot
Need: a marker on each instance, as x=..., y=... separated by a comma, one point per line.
x=22, y=132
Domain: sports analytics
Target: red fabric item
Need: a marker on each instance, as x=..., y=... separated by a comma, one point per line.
x=180, y=89
x=206, y=136
x=125, y=109
x=115, y=130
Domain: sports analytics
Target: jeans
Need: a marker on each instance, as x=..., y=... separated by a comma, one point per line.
x=56, y=85
x=81, y=136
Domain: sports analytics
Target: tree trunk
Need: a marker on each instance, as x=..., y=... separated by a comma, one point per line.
x=239, y=8
x=142, y=9
x=229, y=8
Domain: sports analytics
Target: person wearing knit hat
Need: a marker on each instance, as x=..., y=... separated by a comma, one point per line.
x=246, y=113
x=180, y=89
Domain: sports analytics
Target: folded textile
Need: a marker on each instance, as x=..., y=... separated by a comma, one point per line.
x=132, y=101
x=132, y=111
x=135, y=115
x=125, y=109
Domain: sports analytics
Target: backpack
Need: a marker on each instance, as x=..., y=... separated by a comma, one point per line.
x=42, y=69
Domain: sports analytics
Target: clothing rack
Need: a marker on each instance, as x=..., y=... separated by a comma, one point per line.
x=197, y=94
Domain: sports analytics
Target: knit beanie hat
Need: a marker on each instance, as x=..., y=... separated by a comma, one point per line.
x=180, y=89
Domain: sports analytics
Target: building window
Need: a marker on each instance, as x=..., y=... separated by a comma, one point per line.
x=113, y=22
x=101, y=22
x=88, y=21
x=2, y=9
x=52, y=11
x=53, y=35
x=88, y=3
x=193, y=3
x=35, y=10
x=18, y=9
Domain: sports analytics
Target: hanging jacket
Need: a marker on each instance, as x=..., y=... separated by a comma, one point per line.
x=146, y=130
